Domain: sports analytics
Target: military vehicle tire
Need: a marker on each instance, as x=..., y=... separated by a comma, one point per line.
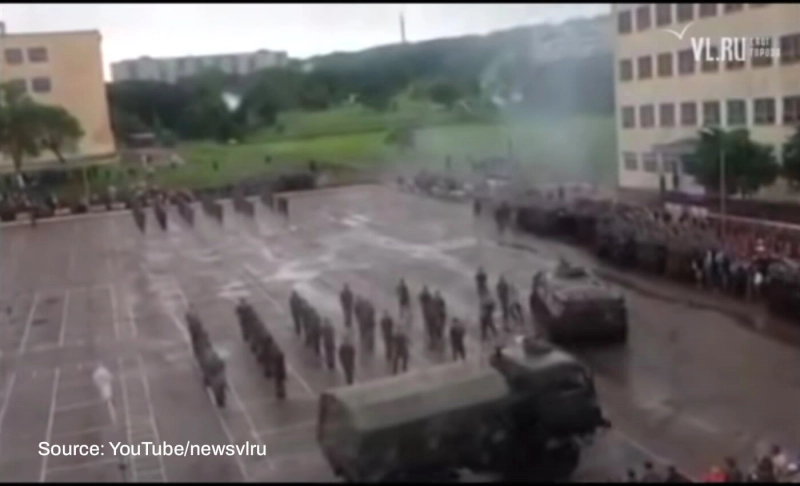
x=563, y=461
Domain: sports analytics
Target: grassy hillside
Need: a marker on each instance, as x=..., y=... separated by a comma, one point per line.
x=575, y=148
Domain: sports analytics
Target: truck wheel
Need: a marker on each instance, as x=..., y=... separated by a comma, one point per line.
x=563, y=461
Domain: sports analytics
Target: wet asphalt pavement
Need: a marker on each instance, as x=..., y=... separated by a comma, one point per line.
x=690, y=386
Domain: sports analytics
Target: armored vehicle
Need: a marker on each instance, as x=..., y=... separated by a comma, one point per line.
x=571, y=304
x=525, y=411
x=783, y=287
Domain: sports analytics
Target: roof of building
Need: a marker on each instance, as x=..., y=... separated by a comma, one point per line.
x=52, y=33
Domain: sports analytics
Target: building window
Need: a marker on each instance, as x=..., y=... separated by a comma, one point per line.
x=41, y=85
x=665, y=65
x=13, y=56
x=645, y=67
x=791, y=110
x=761, y=54
x=790, y=48
x=732, y=7
x=764, y=111
x=18, y=86
x=711, y=113
x=650, y=163
x=625, y=70
x=734, y=65
x=737, y=113
x=643, y=17
x=710, y=59
x=624, y=22
x=37, y=54
x=686, y=62
x=666, y=114
x=630, y=161
x=628, y=117
x=689, y=114
x=663, y=14
x=685, y=12
x=647, y=116
x=708, y=10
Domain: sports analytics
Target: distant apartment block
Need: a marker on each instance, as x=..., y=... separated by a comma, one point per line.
x=664, y=95
x=61, y=69
x=171, y=69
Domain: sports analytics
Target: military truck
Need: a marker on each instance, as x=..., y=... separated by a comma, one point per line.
x=525, y=412
x=572, y=305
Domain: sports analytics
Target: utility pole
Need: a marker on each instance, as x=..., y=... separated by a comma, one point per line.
x=722, y=190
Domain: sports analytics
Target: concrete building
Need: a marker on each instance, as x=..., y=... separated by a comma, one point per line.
x=170, y=70
x=665, y=95
x=63, y=69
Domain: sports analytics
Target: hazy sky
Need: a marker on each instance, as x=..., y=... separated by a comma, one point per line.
x=131, y=30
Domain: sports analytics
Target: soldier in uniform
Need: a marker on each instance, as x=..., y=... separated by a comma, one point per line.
x=346, y=298
x=440, y=320
x=476, y=207
x=369, y=326
x=267, y=354
x=279, y=371
x=347, y=358
x=425, y=304
x=502, y=296
x=244, y=319
x=480, y=281
x=329, y=343
x=400, y=351
x=487, y=318
x=404, y=299
x=295, y=306
x=387, y=329
x=313, y=330
x=457, y=333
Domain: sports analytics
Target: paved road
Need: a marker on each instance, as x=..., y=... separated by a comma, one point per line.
x=96, y=290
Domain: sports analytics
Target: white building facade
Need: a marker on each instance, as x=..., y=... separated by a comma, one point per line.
x=169, y=70
x=664, y=95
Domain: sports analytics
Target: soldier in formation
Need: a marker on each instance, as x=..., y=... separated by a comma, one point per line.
x=365, y=317
x=387, y=332
x=279, y=373
x=404, y=299
x=313, y=329
x=502, y=297
x=347, y=358
x=487, y=317
x=480, y=282
x=296, y=305
x=457, y=333
x=329, y=343
x=400, y=351
x=439, y=321
x=346, y=299
x=426, y=307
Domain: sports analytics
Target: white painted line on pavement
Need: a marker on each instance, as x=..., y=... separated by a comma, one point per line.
x=89, y=430
x=65, y=313
x=28, y=323
x=114, y=316
x=90, y=403
x=6, y=400
x=49, y=434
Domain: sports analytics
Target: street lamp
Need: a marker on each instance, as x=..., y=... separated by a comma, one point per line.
x=722, y=188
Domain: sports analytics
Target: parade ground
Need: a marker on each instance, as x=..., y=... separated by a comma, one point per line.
x=691, y=385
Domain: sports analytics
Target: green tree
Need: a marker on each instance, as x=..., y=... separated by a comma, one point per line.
x=57, y=129
x=791, y=159
x=445, y=94
x=20, y=133
x=748, y=165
